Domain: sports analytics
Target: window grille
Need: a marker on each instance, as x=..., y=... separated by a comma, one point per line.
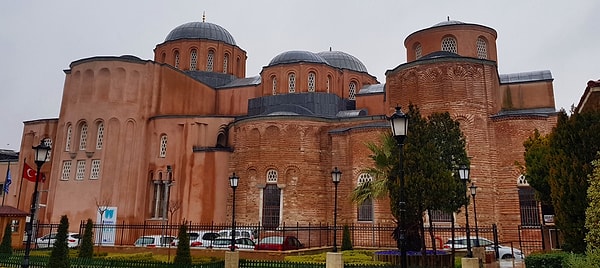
x=177, y=59
x=48, y=143
x=311, y=82
x=83, y=136
x=100, y=136
x=95, y=173
x=210, y=61
x=193, y=60
x=481, y=48
x=530, y=214
x=80, y=170
x=292, y=83
x=365, y=209
x=352, y=91
x=271, y=206
x=225, y=62
x=68, y=141
x=272, y=176
x=274, y=85
x=440, y=216
x=66, y=171
x=418, y=51
x=449, y=44
x=163, y=146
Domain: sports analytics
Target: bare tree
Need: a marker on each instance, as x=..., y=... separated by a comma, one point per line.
x=173, y=207
x=102, y=205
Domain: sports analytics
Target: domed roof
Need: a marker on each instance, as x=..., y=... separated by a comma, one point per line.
x=343, y=60
x=448, y=22
x=200, y=30
x=296, y=56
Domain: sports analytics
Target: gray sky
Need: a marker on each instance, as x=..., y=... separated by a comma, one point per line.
x=39, y=39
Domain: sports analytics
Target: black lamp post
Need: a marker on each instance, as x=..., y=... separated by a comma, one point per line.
x=233, y=182
x=41, y=155
x=463, y=171
x=399, y=125
x=336, y=175
x=473, y=189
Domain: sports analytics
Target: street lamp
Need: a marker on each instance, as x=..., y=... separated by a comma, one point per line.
x=41, y=155
x=473, y=189
x=463, y=172
x=336, y=175
x=233, y=182
x=399, y=125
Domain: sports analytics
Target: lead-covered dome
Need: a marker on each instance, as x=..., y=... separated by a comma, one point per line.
x=297, y=56
x=200, y=30
x=343, y=60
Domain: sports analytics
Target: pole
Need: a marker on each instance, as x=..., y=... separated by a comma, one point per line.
x=29, y=227
x=402, y=207
x=469, y=252
x=476, y=227
x=5, y=182
x=233, y=223
x=335, y=218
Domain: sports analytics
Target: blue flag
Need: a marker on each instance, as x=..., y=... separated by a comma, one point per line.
x=8, y=180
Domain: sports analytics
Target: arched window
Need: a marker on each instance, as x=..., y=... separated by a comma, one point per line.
x=292, y=83
x=271, y=201
x=311, y=82
x=365, y=209
x=352, y=91
x=210, y=60
x=530, y=213
x=225, y=62
x=48, y=143
x=177, y=59
x=449, y=44
x=193, y=60
x=418, y=51
x=328, y=83
x=83, y=136
x=68, y=138
x=163, y=146
x=66, y=170
x=164, y=57
x=274, y=79
x=481, y=48
x=100, y=136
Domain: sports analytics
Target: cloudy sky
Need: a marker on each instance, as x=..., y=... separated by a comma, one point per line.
x=39, y=39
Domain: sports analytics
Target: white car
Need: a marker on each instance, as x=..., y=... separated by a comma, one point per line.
x=239, y=233
x=201, y=239
x=154, y=241
x=504, y=252
x=47, y=241
x=242, y=243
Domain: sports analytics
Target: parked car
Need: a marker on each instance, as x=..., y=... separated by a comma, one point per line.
x=242, y=243
x=154, y=241
x=241, y=232
x=279, y=243
x=199, y=239
x=504, y=252
x=47, y=241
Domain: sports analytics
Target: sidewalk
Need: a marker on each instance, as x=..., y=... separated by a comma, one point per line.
x=505, y=264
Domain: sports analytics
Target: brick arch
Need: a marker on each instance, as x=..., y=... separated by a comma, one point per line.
x=291, y=174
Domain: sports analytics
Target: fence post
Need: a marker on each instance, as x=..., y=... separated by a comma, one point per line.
x=495, y=230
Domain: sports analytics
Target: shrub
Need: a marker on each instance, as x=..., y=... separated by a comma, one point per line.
x=86, y=249
x=5, y=246
x=546, y=260
x=59, y=258
x=346, y=240
x=183, y=255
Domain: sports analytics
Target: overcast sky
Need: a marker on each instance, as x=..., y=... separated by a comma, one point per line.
x=39, y=39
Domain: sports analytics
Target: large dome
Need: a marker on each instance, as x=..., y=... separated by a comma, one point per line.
x=297, y=56
x=343, y=60
x=200, y=30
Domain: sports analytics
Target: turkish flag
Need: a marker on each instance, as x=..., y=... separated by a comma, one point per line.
x=28, y=173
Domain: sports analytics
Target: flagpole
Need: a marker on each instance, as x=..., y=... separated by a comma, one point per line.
x=21, y=184
x=6, y=181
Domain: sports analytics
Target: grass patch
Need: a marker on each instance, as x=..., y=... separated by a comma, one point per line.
x=348, y=256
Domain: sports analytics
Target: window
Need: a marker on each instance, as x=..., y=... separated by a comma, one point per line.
x=272, y=176
x=160, y=197
x=352, y=91
x=83, y=136
x=271, y=206
x=100, y=136
x=328, y=83
x=163, y=146
x=177, y=59
x=95, y=173
x=80, y=170
x=193, y=60
x=210, y=61
x=365, y=209
x=15, y=226
x=311, y=82
x=48, y=143
x=68, y=141
x=225, y=62
x=274, y=85
x=439, y=216
x=481, y=48
x=530, y=214
x=291, y=83
x=66, y=170
x=418, y=51
x=449, y=44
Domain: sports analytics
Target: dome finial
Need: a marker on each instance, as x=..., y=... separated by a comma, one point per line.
x=203, y=16
x=448, y=18
x=329, y=48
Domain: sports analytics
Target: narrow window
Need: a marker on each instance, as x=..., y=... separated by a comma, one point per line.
x=311, y=82
x=66, y=171
x=177, y=59
x=95, y=172
x=439, y=216
x=68, y=141
x=352, y=91
x=528, y=207
x=210, y=61
x=418, y=51
x=449, y=44
x=48, y=143
x=158, y=199
x=274, y=85
x=100, y=136
x=291, y=83
x=481, y=48
x=193, y=60
x=271, y=206
x=83, y=136
x=80, y=170
x=365, y=209
x=328, y=83
x=225, y=62
x=163, y=146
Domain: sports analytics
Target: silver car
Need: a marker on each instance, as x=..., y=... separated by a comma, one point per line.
x=504, y=252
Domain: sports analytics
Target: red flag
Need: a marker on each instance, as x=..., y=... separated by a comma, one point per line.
x=28, y=173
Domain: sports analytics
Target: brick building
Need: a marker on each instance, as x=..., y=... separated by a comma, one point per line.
x=141, y=135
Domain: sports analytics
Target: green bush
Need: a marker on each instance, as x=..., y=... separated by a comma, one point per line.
x=86, y=249
x=5, y=246
x=346, y=240
x=349, y=256
x=183, y=255
x=59, y=257
x=546, y=260
x=582, y=261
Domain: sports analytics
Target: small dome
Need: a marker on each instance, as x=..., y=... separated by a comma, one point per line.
x=448, y=22
x=343, y=60
x=296, y=56
x=200, y=30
